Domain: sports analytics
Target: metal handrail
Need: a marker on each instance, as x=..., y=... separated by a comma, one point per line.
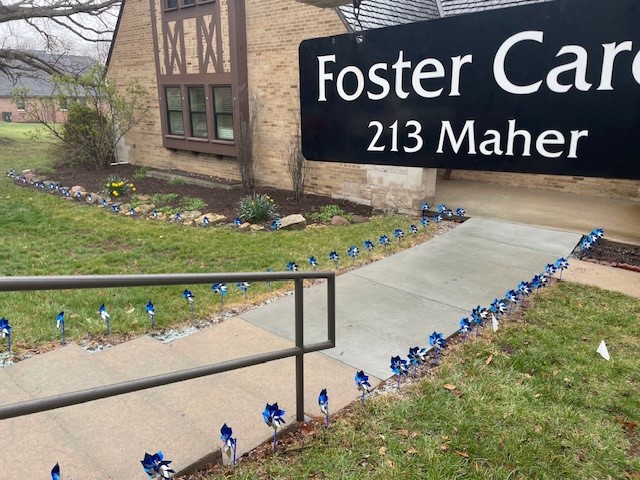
x=13, y=284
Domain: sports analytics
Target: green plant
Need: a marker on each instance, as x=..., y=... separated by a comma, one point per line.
x=46, y=170
x=257, y=208
x=176, y=181
x=142, y=172
x=163, y=199
x=118, y=187
x=327, y=212
x=192, y=203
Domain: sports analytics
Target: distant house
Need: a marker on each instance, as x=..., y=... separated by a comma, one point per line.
x=217, y=63
x=38, y=90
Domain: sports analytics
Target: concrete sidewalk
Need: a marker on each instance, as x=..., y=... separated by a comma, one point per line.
x=383, y=309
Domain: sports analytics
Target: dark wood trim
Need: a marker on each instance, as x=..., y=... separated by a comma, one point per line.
x=205, y=35
x=239, y=71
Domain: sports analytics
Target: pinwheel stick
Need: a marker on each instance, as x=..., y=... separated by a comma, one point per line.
x=9, y=342
x=362, y=399
x=235, y=446
x=108, y=322
x=275, y=439
x=398, y=382
x=192, y=308
x=153, y=321
x=62, y=342
x=477, y=329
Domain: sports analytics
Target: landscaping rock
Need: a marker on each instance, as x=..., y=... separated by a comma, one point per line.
x=93, y=198
x=215, y=218
x=245, y=225
x=143, y=198
x=190, y=216
x=80, y=196
x=256, y=228
x=29, y=176
x=199, y=222
x=144, y=209
x=124, y=208
x=338, y=220
x=360, y=219
x=76, y=188
x=160, y=216
x=293, y=222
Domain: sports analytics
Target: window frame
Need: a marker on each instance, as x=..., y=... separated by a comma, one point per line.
x=217, y=114
x=168, y=112
x=21, y=100
x=190, y=112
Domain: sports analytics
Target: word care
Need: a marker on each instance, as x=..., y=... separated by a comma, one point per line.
x=551, y=87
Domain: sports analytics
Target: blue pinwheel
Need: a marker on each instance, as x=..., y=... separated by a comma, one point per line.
x=155, y=466
x=550, y=268
x=229, y=444
x=424, y=209
x=103, y=202
x=237, y=221
x=89, y=196
x=437, y=341
x=244, y=288
x=220, y=289
x=478, y=315
x=437, y=218
x=292, y=267
x=323, y=402
x=561, y=264
x=177, y=217
x=449, y=213
x=441, y=208
x=399, y=234
x=524, y=289
x=274, y=418
x=424, y=222
x=353, y=252
x=188, y=296
x=313, y=262
x=498, y=307
x=598, y=233
x=512, y=297
x=413, y=229
x=276, y=224
x=102, y=311
x=5, y=331
x=151, y=311
x=115, y=208
x=399, y=367
x=132, y=212
x=334, y=257
x=205, y=221
x=60, y=325
x=465, y=327
x=55, y=472
x=368, y=246
x=460, y=212
x=384, y=241
x=154, y=214
x=362, y=383
x=586, y=244
x=416, y=357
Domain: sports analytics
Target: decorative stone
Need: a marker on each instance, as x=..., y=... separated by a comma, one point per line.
x=80, y=196
x=338, y=220
x=190, y=216
x=215, y=218
x=76, y=188
x=245, y=225
x=143, y=198
x=124, y=208
x=93, y=198
x=293, y=222
x=144, y=209
x=29, y=176
x=256, y=228
x=160, y=216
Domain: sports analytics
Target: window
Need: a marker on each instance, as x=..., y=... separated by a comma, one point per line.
x=188, y=3
x=175, y=119
x=21, y=102
x=198, y=112
x=223, y=111
x=171, y=4
x=64, y=104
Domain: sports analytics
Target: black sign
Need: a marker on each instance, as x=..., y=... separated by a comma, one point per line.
x=551, y=87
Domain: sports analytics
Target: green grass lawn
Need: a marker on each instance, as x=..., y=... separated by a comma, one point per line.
x=43, y=234
x=533, y=401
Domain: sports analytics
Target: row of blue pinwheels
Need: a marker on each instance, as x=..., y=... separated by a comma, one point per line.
x=590, y=241
x=498, y=308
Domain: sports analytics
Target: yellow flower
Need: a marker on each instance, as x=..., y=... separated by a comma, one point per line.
x=115, y=193
x=133, y=188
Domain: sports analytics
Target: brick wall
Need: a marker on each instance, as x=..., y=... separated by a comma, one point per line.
x=583, y=185
x=20, y=116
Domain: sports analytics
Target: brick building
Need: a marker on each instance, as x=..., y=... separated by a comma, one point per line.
x=213, y=64
x=39, y=90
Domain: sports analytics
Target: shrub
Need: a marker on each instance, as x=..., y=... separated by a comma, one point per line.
x=118, y=187
x=192, y=203
x=257, y=208
x=176, y=182
x=327, y=212
x=163, y=199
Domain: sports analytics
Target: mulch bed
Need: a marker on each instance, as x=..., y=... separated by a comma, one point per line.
x=220, y=201
x=614, y=254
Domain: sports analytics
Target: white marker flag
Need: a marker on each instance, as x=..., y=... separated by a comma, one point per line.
x=494, y=323
x=602, y=350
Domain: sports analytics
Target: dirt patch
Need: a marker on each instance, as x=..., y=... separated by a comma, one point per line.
x=613, y=254
x=5, y=142
x=220, y=201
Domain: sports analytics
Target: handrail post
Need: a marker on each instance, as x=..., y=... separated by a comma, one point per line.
x=299, y=333
x=331, y=309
